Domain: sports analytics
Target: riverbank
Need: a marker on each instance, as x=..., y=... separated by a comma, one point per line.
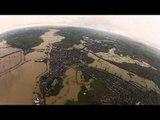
x=18, y=86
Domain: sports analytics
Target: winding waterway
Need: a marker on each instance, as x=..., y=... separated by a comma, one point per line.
x=18, y=85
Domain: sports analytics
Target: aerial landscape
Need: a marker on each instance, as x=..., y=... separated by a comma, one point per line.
x=70, y=65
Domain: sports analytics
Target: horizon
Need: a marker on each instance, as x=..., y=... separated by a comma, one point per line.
x=144, y=29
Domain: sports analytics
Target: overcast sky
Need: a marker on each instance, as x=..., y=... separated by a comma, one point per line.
x=142, y=28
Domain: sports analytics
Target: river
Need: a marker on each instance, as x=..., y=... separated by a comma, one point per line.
x=17, y=86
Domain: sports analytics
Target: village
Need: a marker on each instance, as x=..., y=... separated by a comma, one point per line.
x=119, y=91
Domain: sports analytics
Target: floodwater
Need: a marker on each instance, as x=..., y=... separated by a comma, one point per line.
x=145, y=84
x=11, y=60
x=69, y=91
x=17, y=86
x=120, y=59
x=71, y=87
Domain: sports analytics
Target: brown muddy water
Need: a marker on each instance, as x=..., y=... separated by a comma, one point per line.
x=145, y=84
x=72, y=83
x=18, y=85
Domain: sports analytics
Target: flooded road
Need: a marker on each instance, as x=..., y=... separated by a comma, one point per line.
x=17, y=86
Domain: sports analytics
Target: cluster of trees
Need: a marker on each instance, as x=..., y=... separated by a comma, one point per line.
x=71, y=37
x=25, y=39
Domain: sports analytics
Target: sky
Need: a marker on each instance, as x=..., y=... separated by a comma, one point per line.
x=143, y=28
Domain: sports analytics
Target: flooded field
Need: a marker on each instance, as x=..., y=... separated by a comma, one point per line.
x=120, y=58
x=19, y=74
x=10, y=58
x=144, y=84
x=71, y=87
x=69, y=91
x=17, y=86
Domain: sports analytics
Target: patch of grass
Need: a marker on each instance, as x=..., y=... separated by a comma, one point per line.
x=70, y=36
x=98, y=87
x=83, y=99
x=84, y=96
x=88, y=98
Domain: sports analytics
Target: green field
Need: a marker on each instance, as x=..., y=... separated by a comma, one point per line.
x=25, y=39
x=97, y=86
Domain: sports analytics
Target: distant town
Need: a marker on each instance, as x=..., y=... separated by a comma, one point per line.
x=78, y=66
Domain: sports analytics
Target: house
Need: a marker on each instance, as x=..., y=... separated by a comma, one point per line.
x=55, y=81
